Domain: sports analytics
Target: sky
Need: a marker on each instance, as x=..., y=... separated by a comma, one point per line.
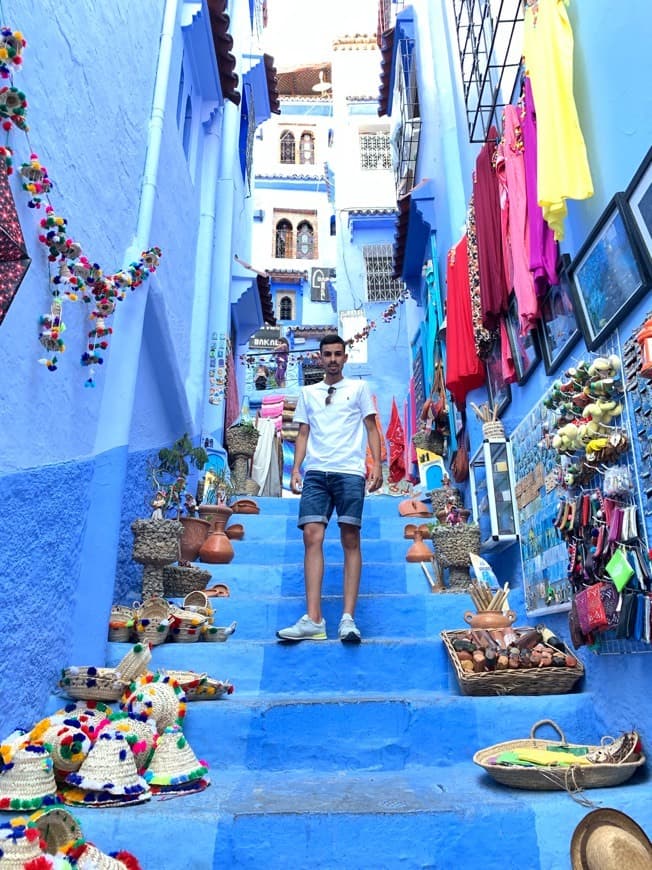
x=303, y=30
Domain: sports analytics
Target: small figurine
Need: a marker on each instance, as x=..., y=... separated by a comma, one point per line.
x=158, y=503
x=190, y=504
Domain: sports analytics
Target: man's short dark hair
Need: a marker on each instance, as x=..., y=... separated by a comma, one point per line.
x=331, y=338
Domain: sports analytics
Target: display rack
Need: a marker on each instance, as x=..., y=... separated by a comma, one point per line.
x=493, y=495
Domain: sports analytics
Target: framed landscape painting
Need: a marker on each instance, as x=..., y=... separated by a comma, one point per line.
x=610, y=273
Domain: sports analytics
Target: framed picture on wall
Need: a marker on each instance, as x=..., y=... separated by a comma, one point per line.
x=558, y=329
x=525, y=348
x=610, y=273
x=500, y=393
x=639, y=200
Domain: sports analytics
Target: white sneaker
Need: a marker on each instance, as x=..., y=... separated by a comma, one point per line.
x=304, y=629
x=348, y=630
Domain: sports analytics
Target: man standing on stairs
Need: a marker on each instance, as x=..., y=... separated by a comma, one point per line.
x=333, y=416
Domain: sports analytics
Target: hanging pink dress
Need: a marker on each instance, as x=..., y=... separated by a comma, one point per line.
x=518, y=234
x=543, y=247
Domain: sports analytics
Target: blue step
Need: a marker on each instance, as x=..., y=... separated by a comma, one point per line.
x=329, y=755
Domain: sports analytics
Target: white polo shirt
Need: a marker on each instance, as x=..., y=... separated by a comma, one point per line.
x=337, y=439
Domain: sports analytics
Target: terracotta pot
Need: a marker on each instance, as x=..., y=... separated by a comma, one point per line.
x=489, y=618
x=195, y=531
x=217, y=548
x=419, y=551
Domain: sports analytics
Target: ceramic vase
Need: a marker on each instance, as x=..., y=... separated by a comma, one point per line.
x=490, y=618
x=217, y=548
x=195, y=532
x=419, y=551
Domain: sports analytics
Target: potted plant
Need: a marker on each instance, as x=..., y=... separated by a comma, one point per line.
x=157, y=539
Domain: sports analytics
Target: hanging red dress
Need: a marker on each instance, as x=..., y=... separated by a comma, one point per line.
x=493, y=289
x=464, y=370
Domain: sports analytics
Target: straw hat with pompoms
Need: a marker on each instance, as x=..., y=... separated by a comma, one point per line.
x=174, y=766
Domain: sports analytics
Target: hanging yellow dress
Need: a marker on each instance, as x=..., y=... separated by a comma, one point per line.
x=563, y=168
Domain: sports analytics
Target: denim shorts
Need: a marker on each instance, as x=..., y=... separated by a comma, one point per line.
x=325, y=490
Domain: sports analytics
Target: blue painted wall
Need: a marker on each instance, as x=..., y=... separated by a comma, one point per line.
x=73, y=459
x=612, y=67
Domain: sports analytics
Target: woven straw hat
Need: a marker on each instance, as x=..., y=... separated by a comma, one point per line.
x=58, y=828
x=26, y=778
x=68, y=744
x=140, y=735
x=88, y=857
x=18, y=844
x=607, y=839
x=135, y=662
x=109, y=767
x=86, y=714
x=158, y=697
x=174, y=765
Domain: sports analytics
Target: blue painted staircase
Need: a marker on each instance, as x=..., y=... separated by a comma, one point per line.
x=331, y=756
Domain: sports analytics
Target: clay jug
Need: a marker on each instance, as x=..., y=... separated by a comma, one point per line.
x=194, y=535
x=217, y=548
x=489, y=618
x=419, y=551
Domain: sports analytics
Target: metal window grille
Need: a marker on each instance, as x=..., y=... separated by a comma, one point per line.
x=288, y=147
x=285, y=308
x=490, y=44
x=409, y=131
x=375, y=151
x=379, y=269
x=283, y=239
x=305, y=241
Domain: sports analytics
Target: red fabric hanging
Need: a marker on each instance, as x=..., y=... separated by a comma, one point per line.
x=396, y=437
x=464, y=370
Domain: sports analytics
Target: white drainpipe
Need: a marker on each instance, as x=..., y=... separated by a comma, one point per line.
x=118, y=397
x=102, y=527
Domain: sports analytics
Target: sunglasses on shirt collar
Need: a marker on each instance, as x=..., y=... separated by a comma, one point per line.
x=329, y=397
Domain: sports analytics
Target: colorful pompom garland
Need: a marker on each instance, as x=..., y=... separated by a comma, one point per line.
x=77, y=278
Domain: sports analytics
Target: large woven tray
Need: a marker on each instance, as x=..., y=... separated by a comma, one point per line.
x=525, y=681
x=541, y=778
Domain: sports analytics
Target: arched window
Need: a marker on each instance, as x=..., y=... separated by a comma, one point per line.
x=283, y=244
x=307, y=154
x=187, y=126
x=288, y=147
x=285, y=308
x=305, y=241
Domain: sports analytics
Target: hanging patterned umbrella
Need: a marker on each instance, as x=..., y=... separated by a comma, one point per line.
x=14, y=261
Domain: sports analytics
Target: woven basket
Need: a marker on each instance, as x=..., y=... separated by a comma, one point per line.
x=218, y=633
x=521, y=681
x=135, y=662
x=121, y=623
x=99, y=684
x=179, y=580
x=197, y=602
x=241, y=440
x=493, y=429
x=541, y=778
x=454, y=543
x=153, y=621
